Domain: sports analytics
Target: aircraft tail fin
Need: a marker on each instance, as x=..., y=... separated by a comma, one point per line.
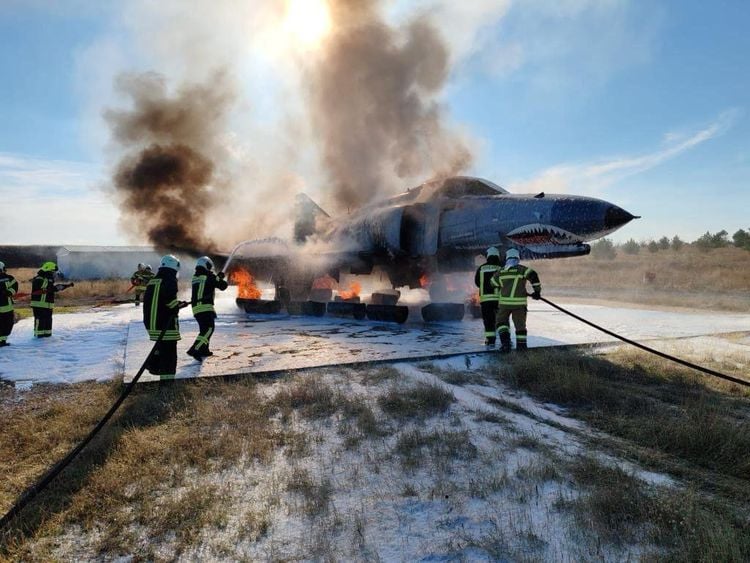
x=307, y=214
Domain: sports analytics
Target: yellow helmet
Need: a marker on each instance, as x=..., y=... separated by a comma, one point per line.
x=49, y=267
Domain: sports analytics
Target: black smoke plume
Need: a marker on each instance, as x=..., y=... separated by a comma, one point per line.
x=166, y=179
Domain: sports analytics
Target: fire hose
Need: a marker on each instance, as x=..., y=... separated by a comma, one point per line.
x=29, y=494
x=705, y=370
x=58, y=287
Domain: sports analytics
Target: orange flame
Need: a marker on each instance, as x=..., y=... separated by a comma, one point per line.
x=354, y=289
x=474, y=299
x=246, y=288
x=424, y=281
x=326, y=282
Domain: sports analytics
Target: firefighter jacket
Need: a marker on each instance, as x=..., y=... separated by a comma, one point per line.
x=511, y=285
x=141, y=278
x=160, y=306
x=205, y=283
x=8, y=288
x=43, y=290
x=487, y=291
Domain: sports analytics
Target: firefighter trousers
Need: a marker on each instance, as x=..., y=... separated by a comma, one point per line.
x=164, y=360
x=206, y=325
x=489, y=315
x=6, y=326
x=42, y=322
x=138, y=291
x=504, y=315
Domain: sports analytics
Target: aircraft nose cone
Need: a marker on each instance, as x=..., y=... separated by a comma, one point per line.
x=616, y=217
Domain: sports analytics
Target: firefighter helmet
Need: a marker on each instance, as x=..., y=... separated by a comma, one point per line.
x=512, y=253
x=170, y=262
x=49, y=267
x=2, y=266
x=148, y=268
x=204, y=262
x=141, y=266
x=493, y=251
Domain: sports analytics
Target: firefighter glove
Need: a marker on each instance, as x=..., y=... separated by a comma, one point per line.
x=536, y=295
x=221, y=275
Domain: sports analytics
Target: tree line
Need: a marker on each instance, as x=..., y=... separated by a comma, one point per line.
x=605, y=248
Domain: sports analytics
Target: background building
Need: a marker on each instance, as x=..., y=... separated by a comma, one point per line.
x=101, y=262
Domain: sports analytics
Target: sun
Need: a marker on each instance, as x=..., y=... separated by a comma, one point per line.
x=307, y=21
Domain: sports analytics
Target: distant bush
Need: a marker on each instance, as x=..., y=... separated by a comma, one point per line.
x=709, y=240
x=741, y=239
x=663, y=243
x=677, y=243
x=652, y=246
x=603, y=250
x=631, y=247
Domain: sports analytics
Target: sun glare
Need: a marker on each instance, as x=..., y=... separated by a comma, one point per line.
x=308, y=21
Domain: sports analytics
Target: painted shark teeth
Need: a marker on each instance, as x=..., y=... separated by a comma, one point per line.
x=539, y=234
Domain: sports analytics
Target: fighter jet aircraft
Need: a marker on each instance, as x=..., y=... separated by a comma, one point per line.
x=436, y=228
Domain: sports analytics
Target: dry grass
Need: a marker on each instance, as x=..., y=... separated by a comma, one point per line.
x=649, y=402
x=83, y=294
x=420, y=401
x=619, y=508
x=315, y=494
x=308, y=395
x=240, y=470
x=150, y=457
x=689, y=278
x=441, y=447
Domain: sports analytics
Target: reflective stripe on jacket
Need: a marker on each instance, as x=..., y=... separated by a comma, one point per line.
x=511, y=284
x=482, y=279
x=141, y=279
x=160, y=306
x=8, y=288
x=43, y=292
x=205, y=284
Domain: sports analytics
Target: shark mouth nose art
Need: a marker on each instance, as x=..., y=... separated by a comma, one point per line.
x=537, y=233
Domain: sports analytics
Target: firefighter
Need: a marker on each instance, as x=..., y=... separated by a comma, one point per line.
x=43, y=291
x=205, y=283
x=511, y=285
x=488, y=293
x=139, y=280
x=160, y=310
x=8, y=289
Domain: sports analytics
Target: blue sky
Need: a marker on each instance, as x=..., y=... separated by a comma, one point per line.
x=642, y=103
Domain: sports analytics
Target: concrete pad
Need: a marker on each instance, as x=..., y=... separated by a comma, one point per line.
x=245, y=344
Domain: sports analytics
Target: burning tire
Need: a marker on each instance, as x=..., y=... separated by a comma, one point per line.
x=443, y=312
x=388, y=313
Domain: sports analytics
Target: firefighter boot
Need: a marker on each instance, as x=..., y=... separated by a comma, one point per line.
x=521, y=340
x=504, y=342
x=192, y=352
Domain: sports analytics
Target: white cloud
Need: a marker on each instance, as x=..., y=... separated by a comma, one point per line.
x=596, y=176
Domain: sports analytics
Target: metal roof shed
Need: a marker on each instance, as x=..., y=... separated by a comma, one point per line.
x=103, y=262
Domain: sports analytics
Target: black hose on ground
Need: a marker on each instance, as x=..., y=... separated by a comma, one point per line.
x=651, y=350
x=29, y=494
